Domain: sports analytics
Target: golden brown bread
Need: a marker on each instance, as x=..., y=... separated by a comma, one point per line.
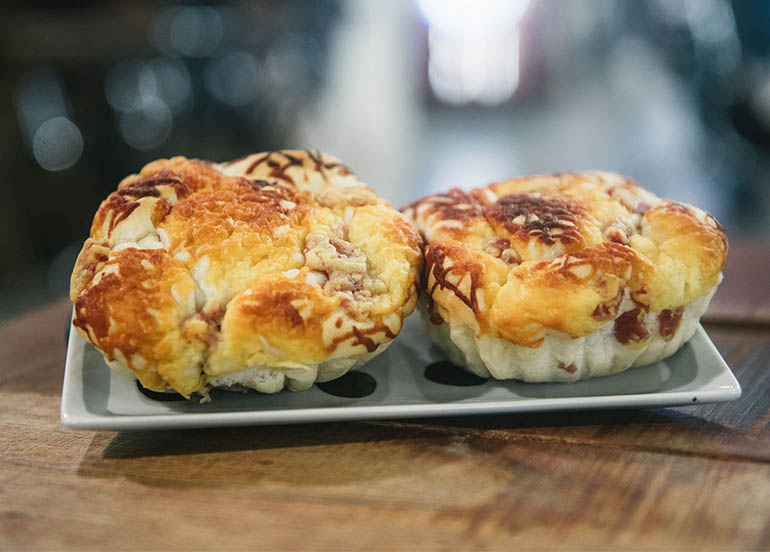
x=565, y=255
x=281, y=260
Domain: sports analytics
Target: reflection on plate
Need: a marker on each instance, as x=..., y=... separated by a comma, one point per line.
x=411, y=379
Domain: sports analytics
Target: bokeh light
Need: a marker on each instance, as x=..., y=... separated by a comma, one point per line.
x=57, y=144
x=473, y=49
x=130, y=85
x=173, y=84
x=233, y=78
x=39, y=97
x=147, y=127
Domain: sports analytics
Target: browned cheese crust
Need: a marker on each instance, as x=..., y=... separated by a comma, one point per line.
x=526, y=256
x=281, y=259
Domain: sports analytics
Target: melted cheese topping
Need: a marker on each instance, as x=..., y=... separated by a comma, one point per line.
x=280, y=260
x=524, y=257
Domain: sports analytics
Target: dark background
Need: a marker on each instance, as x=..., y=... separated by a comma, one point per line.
x=415, y=96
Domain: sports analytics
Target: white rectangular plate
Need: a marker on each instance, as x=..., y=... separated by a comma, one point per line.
x=94, y=397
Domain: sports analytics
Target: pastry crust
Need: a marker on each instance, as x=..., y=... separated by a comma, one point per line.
x=566, y=256
x=281, y=262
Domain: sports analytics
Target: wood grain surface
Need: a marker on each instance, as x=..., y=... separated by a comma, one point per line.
x=744, y=296
x=695, y=478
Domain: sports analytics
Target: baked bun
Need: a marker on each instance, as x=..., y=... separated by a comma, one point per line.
x=564, y=277
x=277, y=269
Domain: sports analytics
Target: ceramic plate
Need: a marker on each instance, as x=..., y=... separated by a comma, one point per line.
x=411, y=379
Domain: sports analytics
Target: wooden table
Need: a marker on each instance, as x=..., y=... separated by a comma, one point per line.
x=678, y=478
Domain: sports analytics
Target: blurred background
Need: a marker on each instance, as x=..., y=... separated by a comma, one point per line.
x=415, y=95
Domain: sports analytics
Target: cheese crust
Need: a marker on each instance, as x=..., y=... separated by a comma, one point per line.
x=565, y=256
x=276, y=269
